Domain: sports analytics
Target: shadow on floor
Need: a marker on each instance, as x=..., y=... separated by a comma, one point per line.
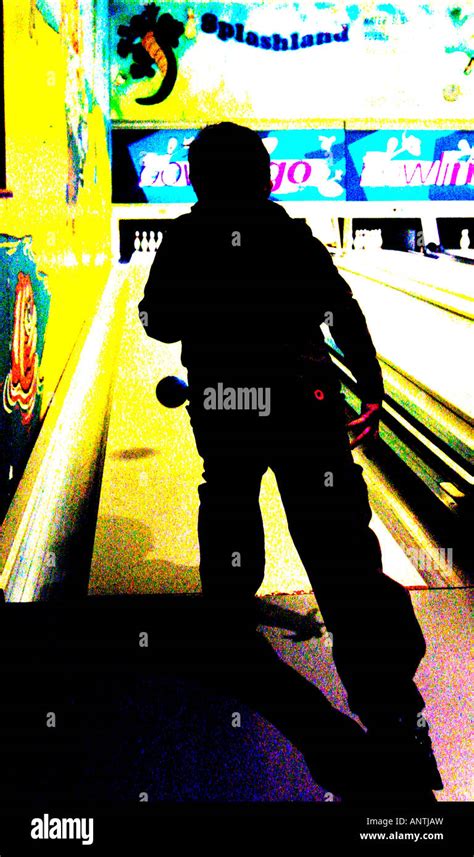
x=168, y=698
x=165, y=697
x=135, y=453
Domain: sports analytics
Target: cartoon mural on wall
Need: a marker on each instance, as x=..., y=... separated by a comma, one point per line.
x=78, y=101
x=51, y=12
x=82, y=27
x=59, y=167
x=24, y=310
x=21, y=385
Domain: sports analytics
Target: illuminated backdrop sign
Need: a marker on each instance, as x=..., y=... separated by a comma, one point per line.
x=306, y=165
x=191, y=63
x=315, y=165
x=410, y=165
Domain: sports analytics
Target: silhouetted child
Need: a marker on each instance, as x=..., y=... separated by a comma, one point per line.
x=245, y=288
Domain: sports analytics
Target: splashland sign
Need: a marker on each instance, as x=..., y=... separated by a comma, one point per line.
x=190, y=63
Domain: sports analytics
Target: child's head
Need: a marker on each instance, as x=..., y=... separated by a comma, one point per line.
x=229, y=162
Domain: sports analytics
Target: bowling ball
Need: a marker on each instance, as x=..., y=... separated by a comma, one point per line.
x=171, y=391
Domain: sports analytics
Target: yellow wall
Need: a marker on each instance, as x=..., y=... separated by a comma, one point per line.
x=36, y=60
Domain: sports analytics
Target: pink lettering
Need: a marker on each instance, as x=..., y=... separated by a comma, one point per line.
x=186, y=173
x=292, y=170
x=440, y=162
x=418, y=170
x=172, y=174
x=454, y=173
x=278, y=177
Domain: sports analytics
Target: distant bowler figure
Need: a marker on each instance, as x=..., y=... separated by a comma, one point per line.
x=245, y=288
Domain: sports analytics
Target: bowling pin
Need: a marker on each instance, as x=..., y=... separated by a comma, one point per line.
x=136, y=243
x=465, y=243
x=144, y=244
x=152, y=243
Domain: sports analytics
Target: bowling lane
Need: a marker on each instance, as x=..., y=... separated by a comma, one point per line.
x=430, y=344
x=415, y=270
x=146, y=538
